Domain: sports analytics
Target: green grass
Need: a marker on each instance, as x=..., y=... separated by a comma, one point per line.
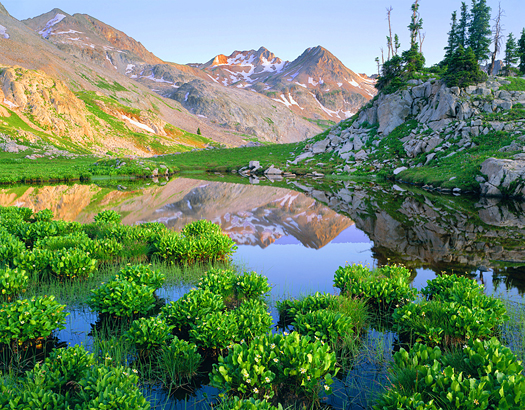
x=516, y=84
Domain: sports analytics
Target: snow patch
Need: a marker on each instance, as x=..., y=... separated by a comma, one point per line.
x=3, y=32
x=49, y=25
x=312, y=81
x=202, y=116
x=67, y=32
x=339, y=84
x=302, y=85
x=186, y=96
x=212, y=78
x=10, y=104
x=138, y=124
x=284, y=101
x=326, y=110
x=111, y=62
x=129, y=68
x=354, y=83
x=157, y=80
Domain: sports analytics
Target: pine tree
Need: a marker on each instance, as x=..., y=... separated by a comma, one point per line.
x=463, y=69
x=416, y=24
x=511, y=53
x=479, y=33
x=521, y=52
x=199, y=131
x=453, y=39
x=463, y=25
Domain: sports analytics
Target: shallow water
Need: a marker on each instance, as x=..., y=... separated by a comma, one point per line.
x=299, y=237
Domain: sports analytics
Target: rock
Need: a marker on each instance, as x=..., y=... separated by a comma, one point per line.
x=317, y=174
x=155, y=172
x=320, y=146
x=446, y=106
x=391, y=113
x=397, y=188
x=512, y=147
x=361, y=155
x=399, y=170
x=431, y=144
x=501, y=173
x=302, y=157
x=254, y=166
x=273, y=171
x=430, y=157
x=349, y=146
x=357, y=143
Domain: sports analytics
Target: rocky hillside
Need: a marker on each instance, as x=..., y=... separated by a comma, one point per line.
x=232, y=114
x=316, y=85
x=449, y=139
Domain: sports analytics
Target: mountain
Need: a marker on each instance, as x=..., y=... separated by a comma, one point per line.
x=316, y=85
x=231, y=113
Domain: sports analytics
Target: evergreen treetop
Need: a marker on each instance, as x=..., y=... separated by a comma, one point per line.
x=479, y=33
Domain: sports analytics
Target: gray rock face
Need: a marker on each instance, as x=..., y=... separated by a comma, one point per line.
x=320, y=146
x=273, y=171
x=504, y=176
x=391, y=113
x=254, y=166
x=399, y=170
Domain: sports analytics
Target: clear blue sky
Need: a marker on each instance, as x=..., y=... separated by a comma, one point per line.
x=196, y=31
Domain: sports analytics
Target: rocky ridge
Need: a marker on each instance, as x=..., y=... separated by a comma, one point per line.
x=433, y=122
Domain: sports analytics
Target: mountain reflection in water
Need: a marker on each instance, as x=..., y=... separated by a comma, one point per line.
x=306, y=235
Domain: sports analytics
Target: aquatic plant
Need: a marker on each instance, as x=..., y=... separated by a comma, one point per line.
x=253, y=320
x=178, y=361
x=214, y=331
x=122, y=298
x=26, y=320
x=36, y=262
x=148, y=334
x=141, y=274
x=192, y=306
x=283, y=365
x=12, y=282
x=483, y=374
x=200, y=228
x=235, y=403
x=289, y=308
x=323, y=324
x=384, y=287
x=108, y=217
x=72, y=263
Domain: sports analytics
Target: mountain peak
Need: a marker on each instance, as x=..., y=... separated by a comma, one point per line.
x=3, y=10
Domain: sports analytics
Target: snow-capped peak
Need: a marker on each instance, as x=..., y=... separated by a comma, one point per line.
x=49, y=25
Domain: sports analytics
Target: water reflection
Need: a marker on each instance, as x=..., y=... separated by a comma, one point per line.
x=299, y=237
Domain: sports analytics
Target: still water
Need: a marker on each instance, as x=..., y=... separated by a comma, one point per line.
x=300, y=232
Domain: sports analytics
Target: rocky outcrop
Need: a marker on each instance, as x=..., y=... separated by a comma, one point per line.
x=503, y=176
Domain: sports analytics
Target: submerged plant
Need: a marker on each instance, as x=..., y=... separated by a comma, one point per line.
x=178, y=361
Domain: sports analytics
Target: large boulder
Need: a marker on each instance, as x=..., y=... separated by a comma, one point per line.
x=392, y=112
x=504, y=177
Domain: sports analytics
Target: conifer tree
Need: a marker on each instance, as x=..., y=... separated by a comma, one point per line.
x=479, y=33
x=511, y=53
x=462, y=28
x=453, y=39
x=521, y=52
x=463, y=69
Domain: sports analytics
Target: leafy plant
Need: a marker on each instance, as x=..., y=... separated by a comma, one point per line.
x=194, y=305
x=73, y=263
x=253, y=320
x=385, y=287
x=289, y=309
x=37, y=262
x=10, y=248
x=13, y=282
x=215, y=331
x=484, y=374
x=141, y=274
x=276, y=364
x=323, y=324
x=45, y=215
x=29, y=319
x=234, y=403
x=201, y=228
x=122, y=298
x=108, y=216
x=148, y=334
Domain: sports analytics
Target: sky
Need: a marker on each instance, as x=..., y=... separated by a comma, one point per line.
x=196, y=31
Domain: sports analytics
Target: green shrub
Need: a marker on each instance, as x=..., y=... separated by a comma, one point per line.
x=45, y=215
x=289, y=309
x=201, y=228
x=194, y=305
x=72, y=263
x=37, y=262
x=458, y=311
x=178, y=361
x=143, y=275
x=444, y=284
x=29, y=319
x=234, y=403
x=108, y=216
x=385, y=287
x=122, y=299
x=10, y=248
x=482, y=375
x=235, y=288
x=323, y=324
x=148, y=334
x=215, y=331
x=253, y=320
x=276, y=364
x=13, y=282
